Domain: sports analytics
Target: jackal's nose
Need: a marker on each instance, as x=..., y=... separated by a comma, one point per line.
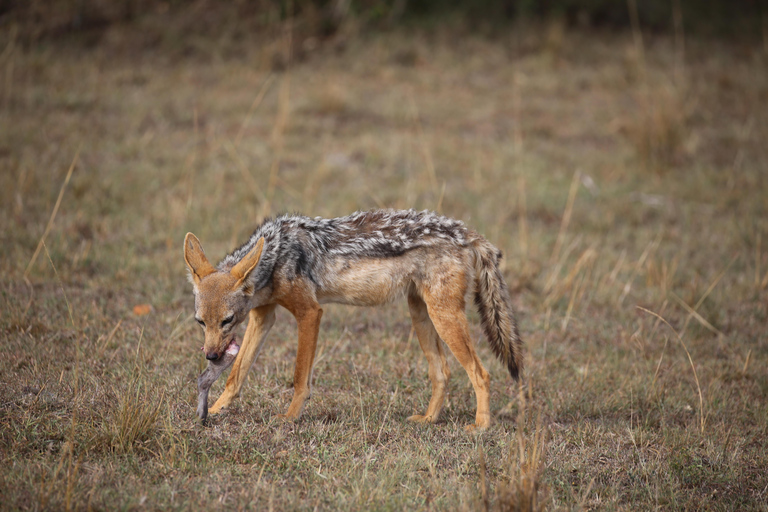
x=212, y=356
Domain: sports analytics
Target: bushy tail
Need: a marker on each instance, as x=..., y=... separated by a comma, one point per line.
x=495, y=308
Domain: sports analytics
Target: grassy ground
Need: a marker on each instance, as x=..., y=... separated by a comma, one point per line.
x=625, y=181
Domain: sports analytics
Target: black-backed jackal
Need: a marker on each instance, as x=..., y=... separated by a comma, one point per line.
x=365, y=259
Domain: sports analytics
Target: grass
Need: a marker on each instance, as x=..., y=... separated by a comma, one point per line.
x=626, y=188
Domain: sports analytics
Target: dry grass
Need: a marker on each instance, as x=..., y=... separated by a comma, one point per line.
x=618, y=174
x=523, y=491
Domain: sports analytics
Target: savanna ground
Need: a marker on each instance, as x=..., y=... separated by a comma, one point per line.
x=624, y=179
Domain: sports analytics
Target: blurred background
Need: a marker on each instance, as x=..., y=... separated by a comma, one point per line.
x=36, y=19
x=487, y=111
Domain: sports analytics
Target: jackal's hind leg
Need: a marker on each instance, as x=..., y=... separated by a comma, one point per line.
x=438, y=367
x=260, y=321
x=447, y=313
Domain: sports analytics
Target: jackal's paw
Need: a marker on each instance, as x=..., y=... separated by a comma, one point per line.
x=216, y=410
x=220, y=406
x=420, y=418
x=476, y=428
x=285, y=417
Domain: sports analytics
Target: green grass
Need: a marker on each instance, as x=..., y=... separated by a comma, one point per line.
x=644, y=185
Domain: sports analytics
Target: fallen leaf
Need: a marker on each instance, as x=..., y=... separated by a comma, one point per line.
x=142, y=309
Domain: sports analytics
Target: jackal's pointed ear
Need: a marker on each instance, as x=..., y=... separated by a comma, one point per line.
x=198, y=264
x=244, y=267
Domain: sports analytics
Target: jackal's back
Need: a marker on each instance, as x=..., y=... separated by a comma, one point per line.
x=301, y=244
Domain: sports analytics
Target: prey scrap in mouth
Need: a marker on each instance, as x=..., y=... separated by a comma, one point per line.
x=212, y=374
x=233, y=348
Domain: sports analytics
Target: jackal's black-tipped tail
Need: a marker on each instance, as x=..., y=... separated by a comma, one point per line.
x=495, y=308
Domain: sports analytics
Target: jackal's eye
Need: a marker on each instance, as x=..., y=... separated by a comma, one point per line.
x=227, y=320
x=200, y=322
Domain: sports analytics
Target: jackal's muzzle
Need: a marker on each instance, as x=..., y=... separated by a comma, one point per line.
x=231, y=348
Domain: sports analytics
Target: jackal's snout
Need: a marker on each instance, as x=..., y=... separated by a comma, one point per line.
x=214, y=350
x=228, y=347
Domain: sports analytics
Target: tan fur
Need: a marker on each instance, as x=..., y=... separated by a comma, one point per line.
x=260, y=321
x=195, y=258
x=243, y=269
x=435, y=282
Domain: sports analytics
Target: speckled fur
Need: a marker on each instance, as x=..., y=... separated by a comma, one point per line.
x=367, y=258
x=295, y=244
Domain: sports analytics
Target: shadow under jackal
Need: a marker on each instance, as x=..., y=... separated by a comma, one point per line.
x=366, y=259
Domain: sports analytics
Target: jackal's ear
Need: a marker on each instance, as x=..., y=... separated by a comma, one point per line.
x=245, y=266
x=198, y=264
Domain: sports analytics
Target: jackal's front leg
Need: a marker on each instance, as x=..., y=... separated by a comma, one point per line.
x=260, y=321
x=308, y=319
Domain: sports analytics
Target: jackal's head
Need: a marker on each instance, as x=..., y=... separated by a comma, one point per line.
x=222, y=299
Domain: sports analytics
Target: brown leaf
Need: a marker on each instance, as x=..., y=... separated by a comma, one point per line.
x=142, y=309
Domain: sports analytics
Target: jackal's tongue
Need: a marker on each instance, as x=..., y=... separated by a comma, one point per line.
x=233, y=348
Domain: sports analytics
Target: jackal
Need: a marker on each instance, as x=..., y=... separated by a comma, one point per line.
x=367, y=259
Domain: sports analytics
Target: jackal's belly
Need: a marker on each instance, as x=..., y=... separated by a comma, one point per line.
x=367, y=282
